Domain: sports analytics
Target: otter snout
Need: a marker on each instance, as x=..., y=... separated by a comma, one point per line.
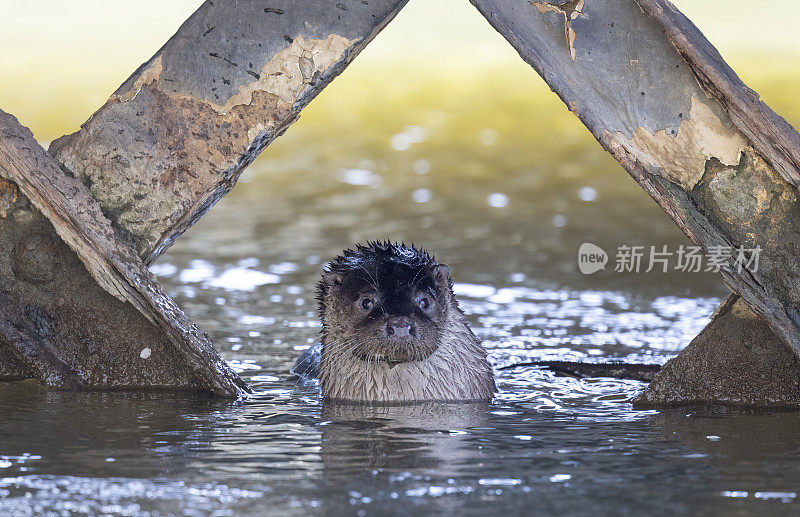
x=400, y=327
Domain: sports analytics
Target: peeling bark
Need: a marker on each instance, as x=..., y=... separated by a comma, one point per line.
x=569, y=10
x=770, y=134
x=681, y=156
x=175, y=137
x=657, y=95
x=52, y=336
x=79, y=308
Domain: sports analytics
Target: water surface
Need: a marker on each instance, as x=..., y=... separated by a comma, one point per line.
x=504, y=188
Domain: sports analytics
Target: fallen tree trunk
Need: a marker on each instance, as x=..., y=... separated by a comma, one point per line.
x=42, y=324
x=174, y=138
x=79, y=309
x=658, y=97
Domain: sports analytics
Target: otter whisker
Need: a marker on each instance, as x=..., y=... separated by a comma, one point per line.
x=310, y=365
x=414, y=280
x=373, y=279
x=344, y=348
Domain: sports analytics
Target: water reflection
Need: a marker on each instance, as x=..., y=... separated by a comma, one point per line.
x=402, y=438
x=463, y=179
x=133, y=453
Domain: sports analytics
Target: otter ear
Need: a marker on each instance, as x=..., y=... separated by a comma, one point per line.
x=330, y=279
x=441, y=275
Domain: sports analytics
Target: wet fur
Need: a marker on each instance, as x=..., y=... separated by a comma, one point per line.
x=452, y=367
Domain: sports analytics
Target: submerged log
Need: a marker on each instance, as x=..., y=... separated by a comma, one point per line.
x=659, y=97
x=579, y=370
x=79, y=308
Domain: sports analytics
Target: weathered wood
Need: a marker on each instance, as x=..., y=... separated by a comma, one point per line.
x=770, y=134
x=59, y=326
x=657, y=95
x=171, y=141
x=736, y=360
x=174, y=138
x=10, y=368
x=77, y=218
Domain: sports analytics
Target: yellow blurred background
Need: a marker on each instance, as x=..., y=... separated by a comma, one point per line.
x=62, y=60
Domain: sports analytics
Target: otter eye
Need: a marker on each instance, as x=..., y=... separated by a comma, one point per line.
x=366, y=303
x=423, y=303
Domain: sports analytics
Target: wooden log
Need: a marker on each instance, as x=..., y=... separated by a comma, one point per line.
x=10, y=368
x=736, y=360
x=79, y=309
x=657, y=96
x=174, y=138
x=771, y=135
x=59, y=326
x=47, y=334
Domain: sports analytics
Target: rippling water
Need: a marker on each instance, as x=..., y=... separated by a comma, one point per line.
x=504, y=189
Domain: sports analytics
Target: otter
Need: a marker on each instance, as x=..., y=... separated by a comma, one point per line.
x=392, y=331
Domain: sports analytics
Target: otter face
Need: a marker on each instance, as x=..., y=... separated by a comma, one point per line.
x=392, y=331
x=386, y=310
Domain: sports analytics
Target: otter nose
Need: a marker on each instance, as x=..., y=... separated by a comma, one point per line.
x=400, y=327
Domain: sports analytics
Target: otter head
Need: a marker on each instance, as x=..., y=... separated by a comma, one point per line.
x=392, y=331
x=384, y=302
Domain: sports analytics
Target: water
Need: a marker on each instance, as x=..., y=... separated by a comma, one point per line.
x=504, y=189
